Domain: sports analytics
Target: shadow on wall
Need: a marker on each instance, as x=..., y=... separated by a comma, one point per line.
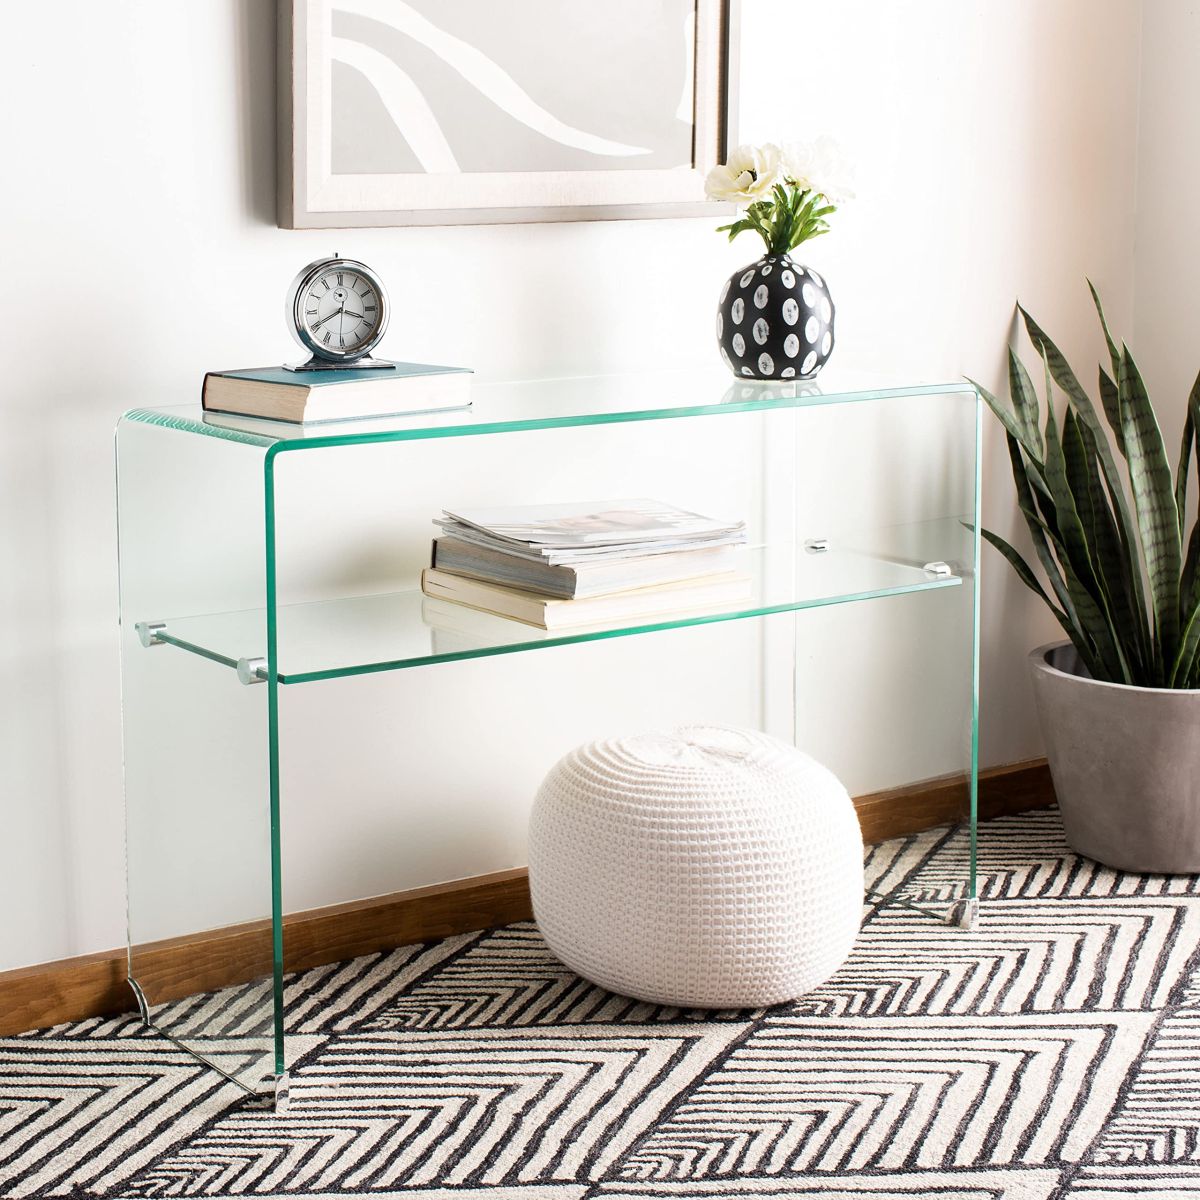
x=254, y=41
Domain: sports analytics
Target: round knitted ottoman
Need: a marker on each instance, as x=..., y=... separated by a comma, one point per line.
x=704, y=868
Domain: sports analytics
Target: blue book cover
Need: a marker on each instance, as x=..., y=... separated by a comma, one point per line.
x=318, y=379
x=302, y=397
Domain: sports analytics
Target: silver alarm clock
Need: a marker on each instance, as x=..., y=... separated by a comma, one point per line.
x=337, y=309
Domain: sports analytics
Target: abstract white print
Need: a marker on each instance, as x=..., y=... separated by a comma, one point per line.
x=448, y=87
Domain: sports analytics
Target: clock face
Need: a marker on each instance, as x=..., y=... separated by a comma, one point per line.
x=340, y=310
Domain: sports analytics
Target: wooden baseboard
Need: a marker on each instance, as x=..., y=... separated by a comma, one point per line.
x=897, y=812
x=72, y=989
x=93, y=985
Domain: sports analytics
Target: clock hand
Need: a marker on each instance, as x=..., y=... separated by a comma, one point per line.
x=318, y=324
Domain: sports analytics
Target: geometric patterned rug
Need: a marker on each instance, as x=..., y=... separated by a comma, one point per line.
x=1053, y=1051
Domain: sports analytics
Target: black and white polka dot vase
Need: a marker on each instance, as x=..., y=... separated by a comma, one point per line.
x=775, y=321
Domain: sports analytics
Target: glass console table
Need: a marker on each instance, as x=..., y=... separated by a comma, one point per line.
x=256, y=553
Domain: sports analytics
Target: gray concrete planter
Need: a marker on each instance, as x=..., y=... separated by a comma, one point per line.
x=1125, y=762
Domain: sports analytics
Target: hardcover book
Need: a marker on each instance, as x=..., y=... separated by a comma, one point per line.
x=573, y=581
x=302, y=397
x=546, y=612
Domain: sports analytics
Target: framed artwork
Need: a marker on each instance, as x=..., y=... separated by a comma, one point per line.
x=432, y=112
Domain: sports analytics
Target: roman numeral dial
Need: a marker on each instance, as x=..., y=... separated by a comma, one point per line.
x=339, y=308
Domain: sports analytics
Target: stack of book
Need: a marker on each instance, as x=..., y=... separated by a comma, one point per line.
x=563, y=565
x=307, y=396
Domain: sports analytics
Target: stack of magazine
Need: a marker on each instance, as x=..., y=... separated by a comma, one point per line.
x=558, y=566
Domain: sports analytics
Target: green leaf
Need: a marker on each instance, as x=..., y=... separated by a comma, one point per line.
x=1191, y=423
x=1029, y=579
x=1076, y=463
x=806, y=234
x=1022, y=568
x=1040, y=532
x=1186, y=660
x=1154, y=500
x=1061, y=371
x=1129, y=549
x=1086, y=594
x=1025, y=402
x=1024, y=573
x=1112, y=408
x=1181, y=471
x=1013, y=425
x=1113, y=354
x=1189, y=583
x=1107, y=554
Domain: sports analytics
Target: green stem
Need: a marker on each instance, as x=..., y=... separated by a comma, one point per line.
x=789, y=216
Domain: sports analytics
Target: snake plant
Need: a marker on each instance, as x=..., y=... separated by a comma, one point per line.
x=1113, y=542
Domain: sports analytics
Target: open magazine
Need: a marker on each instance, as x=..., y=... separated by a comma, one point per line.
x=582, y=531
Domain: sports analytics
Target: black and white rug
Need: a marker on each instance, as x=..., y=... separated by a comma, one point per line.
x=1051, y=1052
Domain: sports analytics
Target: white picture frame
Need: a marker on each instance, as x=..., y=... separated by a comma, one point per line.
x=311, y=195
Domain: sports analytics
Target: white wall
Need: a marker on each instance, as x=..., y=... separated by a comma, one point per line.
x=996, y=145
x=1166, y=310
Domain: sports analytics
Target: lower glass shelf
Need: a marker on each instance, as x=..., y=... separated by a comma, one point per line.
x=364, y=634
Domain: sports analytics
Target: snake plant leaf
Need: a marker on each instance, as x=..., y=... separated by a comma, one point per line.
x=1057, y=365
x=1046, y=512
x=1061, y=371
x=1040, y=533
x=1002, y=413
x=1025, y=401
x=1191, y=422
x=1114, y=355
x=1182, y=470
x=1109, y=665
x=1085, y=618
x=1076, y=462
x=1186, y=660
x=1066, y=379
x=1030, y=580
x=1049, y=505
x=1023, y=569
x=1108, y=556
x=1121, y=568
x=1185, y=671
x=1110, y=539
x=1112, y=408
x=1129, y=546
x=1154, y=500
x=1189, y=580
x=1015, y=427
x=1091, y=607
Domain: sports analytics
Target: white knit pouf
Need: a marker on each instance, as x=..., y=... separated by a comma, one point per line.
x=704, y=868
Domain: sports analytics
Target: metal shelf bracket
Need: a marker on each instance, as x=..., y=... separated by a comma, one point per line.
x=148, y=632
x=252, y=670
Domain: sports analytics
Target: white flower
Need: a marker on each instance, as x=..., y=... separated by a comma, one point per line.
x=797, y=160
x=749, y=175
x=820, y=166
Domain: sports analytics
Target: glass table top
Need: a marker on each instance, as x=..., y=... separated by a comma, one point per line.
x=508, y=405
x=364, y=634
